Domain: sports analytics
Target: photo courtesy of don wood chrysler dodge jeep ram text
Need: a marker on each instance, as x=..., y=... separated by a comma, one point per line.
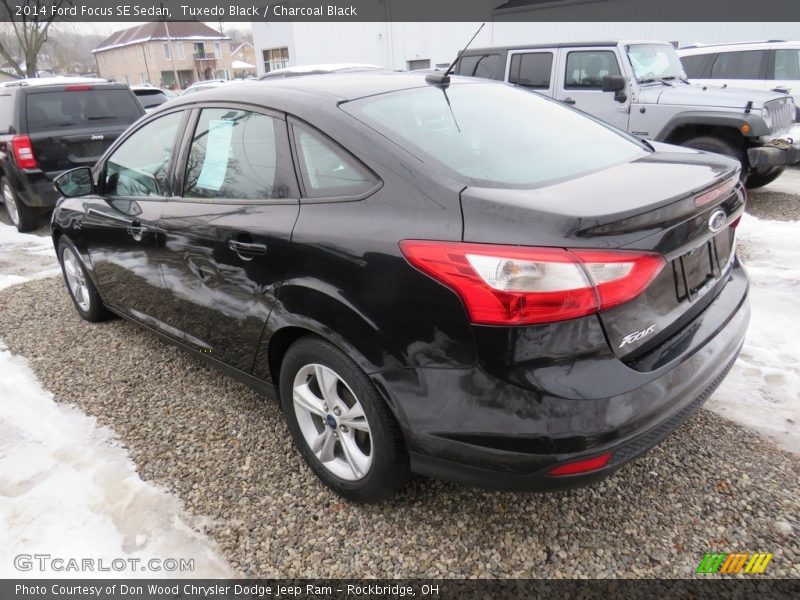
x=448, y=276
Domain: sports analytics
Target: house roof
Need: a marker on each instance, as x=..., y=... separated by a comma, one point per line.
x=157, y=30
x=239, y=47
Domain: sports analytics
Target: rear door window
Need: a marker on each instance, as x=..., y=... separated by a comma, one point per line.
x=787, y=64
x=586, y=69
x=80, y=108
x=739, y=65
x=234, y=156
x=531, y=70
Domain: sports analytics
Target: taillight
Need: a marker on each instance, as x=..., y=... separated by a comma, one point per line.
x=521, y=285
x=581, y=466
x=78, y=88
x=23, y=152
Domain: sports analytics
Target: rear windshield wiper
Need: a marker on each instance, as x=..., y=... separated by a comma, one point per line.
x=100, y=118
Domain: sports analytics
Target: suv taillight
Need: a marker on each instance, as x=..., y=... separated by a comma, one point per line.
x=23, y=152
x=521, y=285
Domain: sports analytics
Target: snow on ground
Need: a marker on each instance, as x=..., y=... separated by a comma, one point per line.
x=24, y=256
x=762, y=390
x=67, y=489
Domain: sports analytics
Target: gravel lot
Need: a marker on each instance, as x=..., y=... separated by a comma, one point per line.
x=227, y=453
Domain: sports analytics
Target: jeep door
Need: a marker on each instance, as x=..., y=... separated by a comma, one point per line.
x=226, y=235
x=580, y=83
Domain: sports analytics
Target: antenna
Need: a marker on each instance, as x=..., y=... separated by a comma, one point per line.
x=444, y=79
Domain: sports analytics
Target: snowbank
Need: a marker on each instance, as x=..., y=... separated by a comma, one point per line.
x=763, y=388
x=67, y=489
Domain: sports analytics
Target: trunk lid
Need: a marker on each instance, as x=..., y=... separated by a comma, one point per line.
x=660, y=203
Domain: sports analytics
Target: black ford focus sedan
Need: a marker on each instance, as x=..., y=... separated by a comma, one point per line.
x=466, y=280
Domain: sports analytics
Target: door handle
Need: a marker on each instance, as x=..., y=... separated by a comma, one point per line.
x=781, y=89
x=568, y=100
x=247, y=250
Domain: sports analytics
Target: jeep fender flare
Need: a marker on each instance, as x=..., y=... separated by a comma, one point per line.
x=714, y=119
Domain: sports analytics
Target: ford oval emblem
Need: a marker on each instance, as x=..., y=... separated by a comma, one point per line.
x=717, y=221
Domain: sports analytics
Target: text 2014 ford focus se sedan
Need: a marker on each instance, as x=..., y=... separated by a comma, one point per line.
x=466, y=281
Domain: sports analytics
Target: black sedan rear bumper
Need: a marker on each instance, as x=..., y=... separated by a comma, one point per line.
x=469, y=427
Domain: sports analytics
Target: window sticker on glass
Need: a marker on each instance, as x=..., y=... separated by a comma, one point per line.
x=218, y=152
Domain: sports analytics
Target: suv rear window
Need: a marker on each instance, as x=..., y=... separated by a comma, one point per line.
x=479, y=65
x=150, y=98
x=76, y=108
x=495, y=134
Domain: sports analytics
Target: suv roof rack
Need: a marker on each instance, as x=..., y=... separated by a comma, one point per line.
x=731, y=44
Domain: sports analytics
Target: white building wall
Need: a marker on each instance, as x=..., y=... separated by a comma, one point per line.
x=393, y=45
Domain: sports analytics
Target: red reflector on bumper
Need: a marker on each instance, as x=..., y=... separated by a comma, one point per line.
x=581, y=466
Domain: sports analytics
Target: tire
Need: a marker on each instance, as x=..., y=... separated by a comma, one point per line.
x=84, y=295
x=22, y=216
x=758, y=179
x=367, y=460
x=711, y=143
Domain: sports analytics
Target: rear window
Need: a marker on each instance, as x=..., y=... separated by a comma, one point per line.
x=150, y=98
x=485, y=66
x=47, y=110
x=496, y=134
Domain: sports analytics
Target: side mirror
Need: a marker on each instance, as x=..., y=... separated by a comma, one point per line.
x=75, y=182
x=613, y=83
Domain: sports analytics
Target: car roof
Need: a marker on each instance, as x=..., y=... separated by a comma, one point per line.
x=320, y=69
x=57, y=80
x=333, y=87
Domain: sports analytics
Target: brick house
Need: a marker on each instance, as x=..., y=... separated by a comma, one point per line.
x=172, y=55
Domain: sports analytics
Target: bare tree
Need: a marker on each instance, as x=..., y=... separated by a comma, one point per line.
x=29, y=33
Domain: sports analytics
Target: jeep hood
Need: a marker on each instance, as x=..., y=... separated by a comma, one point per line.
x=696, y=94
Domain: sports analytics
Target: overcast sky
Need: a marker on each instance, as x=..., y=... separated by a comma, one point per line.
x=107, y=28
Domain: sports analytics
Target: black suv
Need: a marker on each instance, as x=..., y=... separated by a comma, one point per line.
x=48, y=127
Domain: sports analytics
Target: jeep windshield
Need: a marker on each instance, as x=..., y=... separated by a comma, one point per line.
x=494, y=134
x=655, y=62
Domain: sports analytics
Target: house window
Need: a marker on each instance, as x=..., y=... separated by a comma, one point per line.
x=275, y=58
x=167, y=53
x=179, y=50
x=217, y=50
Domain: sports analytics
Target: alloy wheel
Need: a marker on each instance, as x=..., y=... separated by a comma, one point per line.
x=332, y=422
x=76, y=280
